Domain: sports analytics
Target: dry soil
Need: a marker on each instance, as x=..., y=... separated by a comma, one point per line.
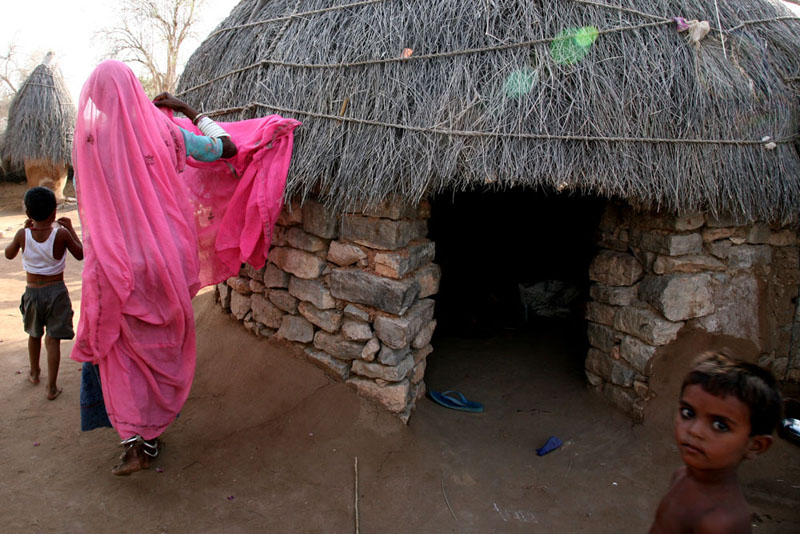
x=267, y=443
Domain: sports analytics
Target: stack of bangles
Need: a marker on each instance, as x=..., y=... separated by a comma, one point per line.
x=209, y=127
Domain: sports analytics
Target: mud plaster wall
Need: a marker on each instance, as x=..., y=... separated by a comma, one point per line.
x=666, y=288
x=351, y=292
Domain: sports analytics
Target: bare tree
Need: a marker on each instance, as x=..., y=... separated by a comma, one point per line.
x=151, y=33
x=14, y=68
x=9, y=70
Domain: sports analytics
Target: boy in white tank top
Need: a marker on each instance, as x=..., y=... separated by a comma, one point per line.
x=45, y=303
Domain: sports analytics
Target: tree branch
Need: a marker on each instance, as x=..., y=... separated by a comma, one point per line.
x=162, y=29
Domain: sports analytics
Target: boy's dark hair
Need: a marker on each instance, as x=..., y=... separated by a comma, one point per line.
x=40, y=203
x=721, y=376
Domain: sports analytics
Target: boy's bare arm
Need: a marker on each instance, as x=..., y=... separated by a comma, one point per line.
x=72, y=241
x=16, y=244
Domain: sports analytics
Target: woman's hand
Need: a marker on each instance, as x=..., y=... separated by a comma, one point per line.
x=166, y=100
x=229, y=148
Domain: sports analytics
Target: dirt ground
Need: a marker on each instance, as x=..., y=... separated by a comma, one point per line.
x=267, y=443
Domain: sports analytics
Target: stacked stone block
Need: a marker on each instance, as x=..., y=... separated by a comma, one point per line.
x=352, y=291
x=656, y=273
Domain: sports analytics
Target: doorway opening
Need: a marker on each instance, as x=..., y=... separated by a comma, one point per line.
x=513, y=289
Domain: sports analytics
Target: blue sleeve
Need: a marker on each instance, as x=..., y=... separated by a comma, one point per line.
x=201, y=147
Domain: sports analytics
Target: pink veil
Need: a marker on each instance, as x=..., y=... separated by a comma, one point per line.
x=155, y=231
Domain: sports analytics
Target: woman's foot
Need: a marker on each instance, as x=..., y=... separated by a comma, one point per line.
x=139, y=454
x=54, y=392
x=134, y=459
x=33, y=378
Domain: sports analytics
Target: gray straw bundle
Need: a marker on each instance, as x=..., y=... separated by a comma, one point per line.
x=602, y=97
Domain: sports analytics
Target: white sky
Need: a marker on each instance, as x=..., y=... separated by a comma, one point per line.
x=68, y=26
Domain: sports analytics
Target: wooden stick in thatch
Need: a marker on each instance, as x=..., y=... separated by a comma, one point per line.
x=355, y=467
x=604, y=97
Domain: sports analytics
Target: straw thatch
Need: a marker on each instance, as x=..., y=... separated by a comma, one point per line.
x=509, y=93
x=41, y=119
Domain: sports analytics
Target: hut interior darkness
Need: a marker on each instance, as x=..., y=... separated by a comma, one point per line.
x=510, y=257
x=681, y=116
x=513, y=291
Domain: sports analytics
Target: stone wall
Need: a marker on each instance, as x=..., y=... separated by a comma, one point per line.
x=352, y=292
x=656, y=274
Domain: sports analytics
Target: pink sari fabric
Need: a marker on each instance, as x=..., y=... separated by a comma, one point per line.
x=156, y=228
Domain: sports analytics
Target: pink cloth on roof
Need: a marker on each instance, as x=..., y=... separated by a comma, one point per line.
x=156, y=228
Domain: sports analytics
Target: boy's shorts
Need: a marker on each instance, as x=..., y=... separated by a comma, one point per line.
x=49, y=307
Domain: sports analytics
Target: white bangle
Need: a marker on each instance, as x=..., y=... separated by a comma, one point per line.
x=211, y=128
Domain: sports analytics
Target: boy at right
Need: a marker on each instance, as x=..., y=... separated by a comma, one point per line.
x=728, y=411
x=45, y=303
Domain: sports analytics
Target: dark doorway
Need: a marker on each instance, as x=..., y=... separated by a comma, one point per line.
x=497, y=249
x=489, y=245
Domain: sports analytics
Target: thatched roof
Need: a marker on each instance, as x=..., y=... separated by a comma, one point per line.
x=41, y=119
x=594, y=96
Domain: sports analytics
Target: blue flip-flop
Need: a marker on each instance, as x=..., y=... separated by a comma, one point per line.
x=455, y=401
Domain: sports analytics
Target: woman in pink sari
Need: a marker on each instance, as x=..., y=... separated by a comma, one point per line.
x=158, y=226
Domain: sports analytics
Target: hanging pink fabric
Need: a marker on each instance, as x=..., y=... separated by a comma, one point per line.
x=156, y=228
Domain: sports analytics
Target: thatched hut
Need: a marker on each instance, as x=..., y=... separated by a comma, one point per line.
x=654, y=145
x=41, y=122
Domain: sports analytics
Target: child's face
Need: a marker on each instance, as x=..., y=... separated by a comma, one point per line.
x=712, y=432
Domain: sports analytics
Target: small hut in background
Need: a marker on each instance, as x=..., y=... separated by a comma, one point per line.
x=41, y=122
x=666, y=130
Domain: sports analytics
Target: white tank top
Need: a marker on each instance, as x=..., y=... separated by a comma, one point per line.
x=37, y=258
